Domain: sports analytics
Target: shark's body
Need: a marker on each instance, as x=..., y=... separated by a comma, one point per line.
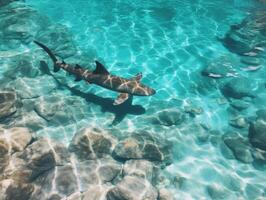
x=100, y=76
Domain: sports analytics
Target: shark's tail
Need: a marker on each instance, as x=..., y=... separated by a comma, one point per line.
x=49, y=52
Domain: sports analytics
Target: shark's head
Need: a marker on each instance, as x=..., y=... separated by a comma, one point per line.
x=140, y=89
x=135, y=87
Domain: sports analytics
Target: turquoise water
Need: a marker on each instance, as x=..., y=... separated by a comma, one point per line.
x=170, y=42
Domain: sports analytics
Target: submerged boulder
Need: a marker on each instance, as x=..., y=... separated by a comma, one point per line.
x=59, y=180
x=58, y=109
x=168, y=117
x=240, y=147
x=165, y=194
x=5, y=2
x=19, y=24
x=12, y=140
x=249, y=36
x=96, y=172
x=11, y=190
x=143, y=145
x=59, y=40
x=219, y=192
x=96, y=192
x=239, y=122
x=257, y=134
x=240, y=104
x=238, y=88
x=220, y=67
x=92, y=144
x=4, y=148
x=133, y=188
x=42, y=86
x=4, y=156
x=41, y=156
x=8, y=100
x=16, y=138
x=139, y=168
x=23, y=65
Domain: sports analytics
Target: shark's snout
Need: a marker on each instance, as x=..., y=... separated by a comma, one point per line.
x=151, y=91
x=145, y=91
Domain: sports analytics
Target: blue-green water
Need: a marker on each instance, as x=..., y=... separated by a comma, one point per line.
x=170, y=42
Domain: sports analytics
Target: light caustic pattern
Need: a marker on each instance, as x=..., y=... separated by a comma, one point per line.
x=170, y=42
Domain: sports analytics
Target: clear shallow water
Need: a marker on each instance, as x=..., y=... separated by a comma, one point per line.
x=170, y=42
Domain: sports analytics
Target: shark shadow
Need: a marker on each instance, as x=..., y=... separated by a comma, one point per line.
x=120, y=111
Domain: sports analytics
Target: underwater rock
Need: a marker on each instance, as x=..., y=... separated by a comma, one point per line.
x=96, y=192
x=218, y=192
x=43, y=155
x=65, y=180
x=239, y=122
x=4, y=148
x=74, y=196
x=58, y=109
x=165, y=194
x=12, y=140
x=58, y=38
x=31, y=120
x=128, y=149
x=143, y=145
x=46, y=107
x=260, y=156
x=95, y=172
x=169, y=117
x=54, y=197
x=11, y=190
x=240, y=147
x=193, y=110
x=61, y=179
x=239, y=104
x=257, y=134
x=220, y=67
x=261, y=114
x=92, y=144
x=246, y=37
x=253, y=61
x=8, y=101
x=140, y=168
x=239, y=88
x=19, y=23
x=22, y=66
x=5, y=2
x=133, y=188
x=28, y=88
x=16, y=139
x=4, y=157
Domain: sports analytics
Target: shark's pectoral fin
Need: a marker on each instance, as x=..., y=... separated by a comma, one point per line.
x=100, y=69
x=137, y=77
x=121, y=98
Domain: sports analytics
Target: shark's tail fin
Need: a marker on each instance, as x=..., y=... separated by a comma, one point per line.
x=49, y=52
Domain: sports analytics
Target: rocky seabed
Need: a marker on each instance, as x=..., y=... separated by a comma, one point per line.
x=98, y=164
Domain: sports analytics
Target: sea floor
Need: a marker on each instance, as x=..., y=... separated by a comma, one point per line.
x=206, y=61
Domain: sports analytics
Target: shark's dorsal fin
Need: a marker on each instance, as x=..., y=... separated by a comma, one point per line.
x=137, y=77
x=100, y=69
x=121, y=98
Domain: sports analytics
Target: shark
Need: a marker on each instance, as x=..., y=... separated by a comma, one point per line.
x=126, y=87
